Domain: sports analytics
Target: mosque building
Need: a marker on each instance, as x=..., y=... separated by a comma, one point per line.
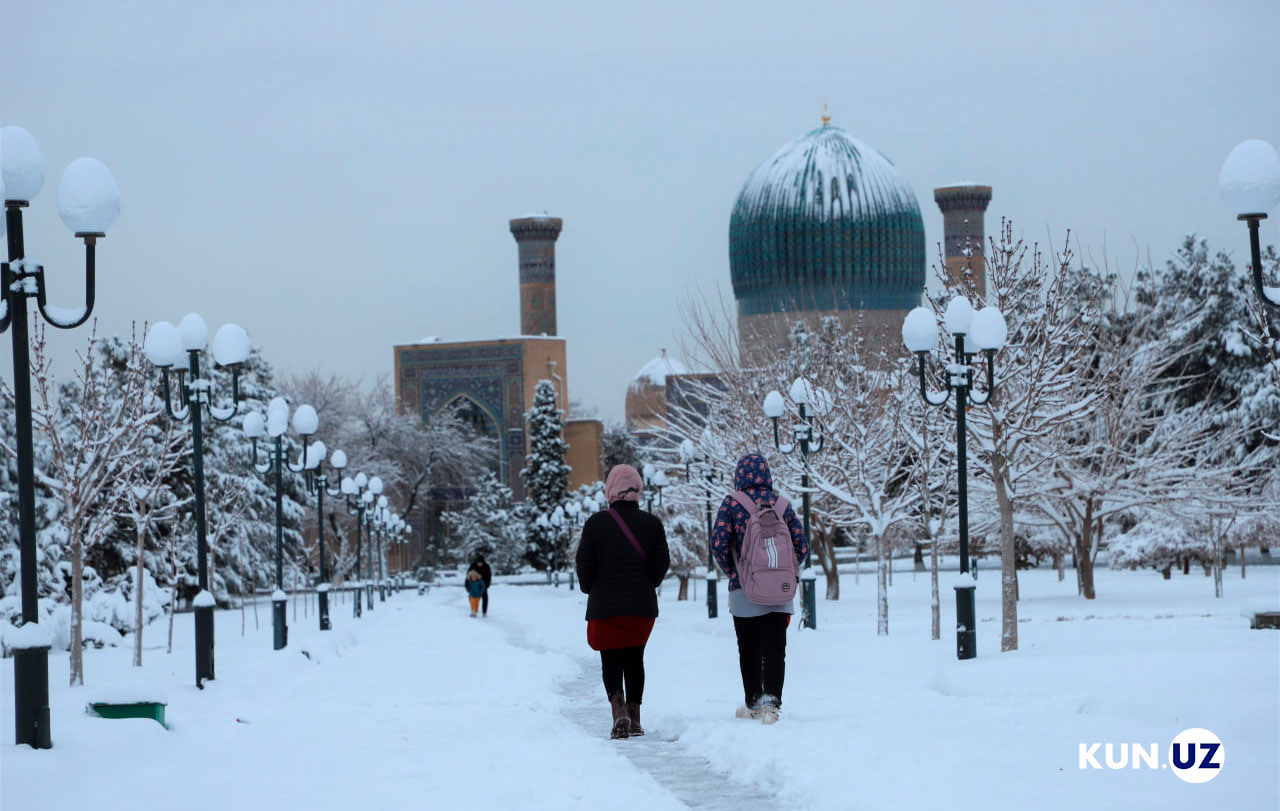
x=491, y=381
x=828, y=226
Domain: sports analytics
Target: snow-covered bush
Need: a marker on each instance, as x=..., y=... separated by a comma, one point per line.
x=1159, y=542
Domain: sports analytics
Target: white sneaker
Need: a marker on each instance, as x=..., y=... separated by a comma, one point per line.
x=748, y=713
x=769, y=715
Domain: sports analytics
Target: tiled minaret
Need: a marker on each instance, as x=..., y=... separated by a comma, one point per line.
x=536, y=235
x=964, y=207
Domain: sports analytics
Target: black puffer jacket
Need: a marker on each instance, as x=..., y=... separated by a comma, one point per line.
x=619, y=582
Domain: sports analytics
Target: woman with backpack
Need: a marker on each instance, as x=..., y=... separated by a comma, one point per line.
x=622, y=558
x=755, y=530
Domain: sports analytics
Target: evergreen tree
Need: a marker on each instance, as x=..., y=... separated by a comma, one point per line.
x=619, y=447
x=545, y=475
x=488, y=526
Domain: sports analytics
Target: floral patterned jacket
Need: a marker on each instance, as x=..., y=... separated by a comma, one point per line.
x=753, y=478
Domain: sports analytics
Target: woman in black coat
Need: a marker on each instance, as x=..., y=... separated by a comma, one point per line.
x=622, y=558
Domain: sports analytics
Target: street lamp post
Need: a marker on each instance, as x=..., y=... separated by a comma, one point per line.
x=318, y=483
x=361, y=492
x=165, y=346
x=811, y=403
x=89, y=204
x=984, y=332
x=1250, y=184
x=654, y=481
x=710, y=477
x=557, y=521
x=383, y=524
x=305, y=423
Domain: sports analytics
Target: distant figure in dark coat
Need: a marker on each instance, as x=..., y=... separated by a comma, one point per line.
x=622, y=558
x=486, y=574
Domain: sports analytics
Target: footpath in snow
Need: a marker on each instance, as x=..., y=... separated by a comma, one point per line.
x=419, y=706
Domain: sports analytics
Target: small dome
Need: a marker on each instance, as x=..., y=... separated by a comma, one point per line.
x=655, y=371
x=646, y=404
x=826, y=223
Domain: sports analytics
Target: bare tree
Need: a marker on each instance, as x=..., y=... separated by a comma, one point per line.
x=95, y=426
x=150, y=502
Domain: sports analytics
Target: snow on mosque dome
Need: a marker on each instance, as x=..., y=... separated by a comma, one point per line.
x=826, y=223
x=655, y=371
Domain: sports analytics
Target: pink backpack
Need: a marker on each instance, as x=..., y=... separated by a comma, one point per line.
x=767, y=568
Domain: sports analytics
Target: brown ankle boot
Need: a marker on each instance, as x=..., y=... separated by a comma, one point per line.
x=621, y=721
x=633, y=713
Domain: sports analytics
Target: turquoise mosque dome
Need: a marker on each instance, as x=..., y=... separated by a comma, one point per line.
x=826, y=223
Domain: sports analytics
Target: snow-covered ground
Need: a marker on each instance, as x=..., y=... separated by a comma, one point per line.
x=418, y=706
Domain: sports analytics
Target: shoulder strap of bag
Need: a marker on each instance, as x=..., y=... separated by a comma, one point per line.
x=626, y=530
x=746, y=502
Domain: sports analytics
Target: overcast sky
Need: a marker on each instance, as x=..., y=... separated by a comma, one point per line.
x=337, y=176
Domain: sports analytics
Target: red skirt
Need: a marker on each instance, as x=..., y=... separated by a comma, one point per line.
x=618, y=632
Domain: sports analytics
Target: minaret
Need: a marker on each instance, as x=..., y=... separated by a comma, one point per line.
x=536, y=235
x=964, y=207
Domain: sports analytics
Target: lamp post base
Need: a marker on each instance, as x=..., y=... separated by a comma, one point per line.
x=382, y=591
x=204, y=645
x=966, y=623
x=808, y=603
x=31, y=698
x=355, y=611
x=279, y=624
x=712, y=608
x=324, y=611
x=369, y=591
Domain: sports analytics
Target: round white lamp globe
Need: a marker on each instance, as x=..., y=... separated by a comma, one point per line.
x=21, y=164
x=88, y=199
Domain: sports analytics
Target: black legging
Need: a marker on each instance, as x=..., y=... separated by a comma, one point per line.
x=762, y=654
x=623, y=663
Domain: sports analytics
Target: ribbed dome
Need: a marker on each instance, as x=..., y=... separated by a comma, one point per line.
x=826, y=223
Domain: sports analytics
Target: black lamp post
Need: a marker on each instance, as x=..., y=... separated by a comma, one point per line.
x=360, y=492
x=983, y=332
x=1250, y=184
x=89, y=204
x=654, y=481
x=811, y=403
x=318, y=484
x=710, y=476
x=305, y=423
x=383, y=523
x=165, y=347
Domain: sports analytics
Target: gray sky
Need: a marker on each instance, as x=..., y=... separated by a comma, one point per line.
x=337, y=176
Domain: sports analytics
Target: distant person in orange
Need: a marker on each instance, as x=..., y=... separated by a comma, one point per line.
x=475, y=590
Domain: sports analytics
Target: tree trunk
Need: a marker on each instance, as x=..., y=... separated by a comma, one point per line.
x=882, y=589
x=77, y=608
x=833, y=575
x=137, y=595
x=820, y=541
x=1242, y=561
x=684, y=587
x=936, y=604
x=1058, y=564
x=1084, y=560
x=1008, y=560
x=173, y=588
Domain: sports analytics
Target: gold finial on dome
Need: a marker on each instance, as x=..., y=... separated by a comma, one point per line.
x=826, y=119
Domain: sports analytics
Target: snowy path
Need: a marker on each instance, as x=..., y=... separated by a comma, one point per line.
x=416, y=706
x=688, y=776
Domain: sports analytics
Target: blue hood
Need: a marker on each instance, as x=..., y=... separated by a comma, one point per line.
x=752, y=473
